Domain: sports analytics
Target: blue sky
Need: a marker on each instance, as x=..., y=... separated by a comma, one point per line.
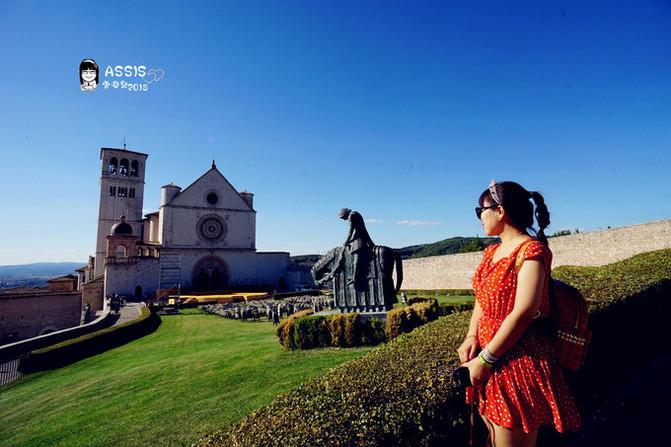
x=403, y=111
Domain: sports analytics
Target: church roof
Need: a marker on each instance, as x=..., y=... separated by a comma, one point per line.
x=217, y=171
x=120, y=150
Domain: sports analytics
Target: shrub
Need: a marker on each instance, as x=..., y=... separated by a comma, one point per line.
x=394, y=326
x=336, y=325
x=285, y=330
x=447, y=308
x=427, y=311
x=311, y=332
x=353, y=329
x=401, y=393
x=373, y=332
x=405, y=319
x=410, y=320
x=339, y=330
x=433, y=292
x=418, y=299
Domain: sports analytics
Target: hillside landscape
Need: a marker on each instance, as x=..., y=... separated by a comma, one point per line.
x=37, y=274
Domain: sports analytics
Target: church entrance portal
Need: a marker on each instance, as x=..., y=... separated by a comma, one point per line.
x=210, y=273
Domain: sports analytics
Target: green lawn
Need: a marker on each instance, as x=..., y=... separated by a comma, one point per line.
x=196, y=374
x=444, y=299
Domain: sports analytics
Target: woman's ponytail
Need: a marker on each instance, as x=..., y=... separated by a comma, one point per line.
x=516, y=201
x=542, y=215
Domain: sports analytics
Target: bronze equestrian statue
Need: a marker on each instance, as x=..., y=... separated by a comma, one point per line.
x=360, y=270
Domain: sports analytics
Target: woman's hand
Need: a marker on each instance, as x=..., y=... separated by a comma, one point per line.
x=479, y=372
x=468, y=349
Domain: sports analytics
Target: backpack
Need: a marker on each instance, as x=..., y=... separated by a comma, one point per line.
x=567, y=324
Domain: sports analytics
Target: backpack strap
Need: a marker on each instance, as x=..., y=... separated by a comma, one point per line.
x=518, y=265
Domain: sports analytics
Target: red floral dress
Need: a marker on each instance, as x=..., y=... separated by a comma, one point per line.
x=526, y=387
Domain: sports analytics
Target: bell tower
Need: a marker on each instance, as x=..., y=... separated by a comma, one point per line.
x=121, y=193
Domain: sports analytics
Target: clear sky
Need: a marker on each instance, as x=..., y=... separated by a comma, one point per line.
x=403, y=111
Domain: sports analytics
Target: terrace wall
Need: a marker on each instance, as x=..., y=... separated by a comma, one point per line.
x=25, y=315
x=584, y=249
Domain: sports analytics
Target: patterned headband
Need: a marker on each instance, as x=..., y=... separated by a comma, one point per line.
x=493, y=193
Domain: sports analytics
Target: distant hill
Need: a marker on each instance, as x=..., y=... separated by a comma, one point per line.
x=303, y=262
x=36, y=274
x=445, y=247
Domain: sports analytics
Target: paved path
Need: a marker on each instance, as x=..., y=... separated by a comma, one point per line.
x=129, y=312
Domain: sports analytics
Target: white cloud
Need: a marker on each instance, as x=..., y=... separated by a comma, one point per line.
x=415, y=223
x=373, y=221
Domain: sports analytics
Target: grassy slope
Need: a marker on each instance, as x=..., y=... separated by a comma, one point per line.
x=196, y=373
x=413, y=374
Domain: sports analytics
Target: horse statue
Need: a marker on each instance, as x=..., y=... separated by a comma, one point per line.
x=380, y=293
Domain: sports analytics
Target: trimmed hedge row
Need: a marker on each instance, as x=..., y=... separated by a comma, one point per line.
x=401, y=393
x=285, y=330
x=73, y=350
x=305, y=331
x=449, y=292
x=447, y=309
x=340, y=330
x=404, y=319
x=443, y=308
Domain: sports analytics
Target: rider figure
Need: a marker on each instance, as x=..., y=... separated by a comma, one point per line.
x=360, y=247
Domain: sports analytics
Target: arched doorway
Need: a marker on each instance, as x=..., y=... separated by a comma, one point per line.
x=210, y=273
x=138, y=292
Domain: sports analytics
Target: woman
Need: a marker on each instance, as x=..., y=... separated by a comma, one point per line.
x=517, y=382
x=88, y=75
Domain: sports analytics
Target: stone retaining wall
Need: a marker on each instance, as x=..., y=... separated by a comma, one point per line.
x=25, y=315
x=586, y=249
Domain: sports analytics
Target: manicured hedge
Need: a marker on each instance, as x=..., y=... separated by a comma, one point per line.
x=305, y=331
x=447, y=308
x=311, y=332
x=285, y=330
x=401, y=393
x=443, y=308
x=449, y=292
x=73, y=350
x=404, y=319
x=338, y=330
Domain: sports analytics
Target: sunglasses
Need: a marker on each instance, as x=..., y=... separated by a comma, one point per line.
x=480, y=209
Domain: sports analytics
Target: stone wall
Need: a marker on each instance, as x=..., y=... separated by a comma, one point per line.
x=586, y=249
x=124, y=277
x=25, y=315
x=92, y=293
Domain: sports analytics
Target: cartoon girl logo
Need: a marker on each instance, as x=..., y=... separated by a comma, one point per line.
x=88, y=75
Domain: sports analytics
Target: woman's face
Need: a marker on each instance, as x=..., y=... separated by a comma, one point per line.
x=88, y=74
x=491, y=223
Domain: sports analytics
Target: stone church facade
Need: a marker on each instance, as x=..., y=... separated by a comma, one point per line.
x=202, y=238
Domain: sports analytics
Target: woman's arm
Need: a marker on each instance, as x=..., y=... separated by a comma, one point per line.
x=530, y=281
x=475, y=318
x=470, y=346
